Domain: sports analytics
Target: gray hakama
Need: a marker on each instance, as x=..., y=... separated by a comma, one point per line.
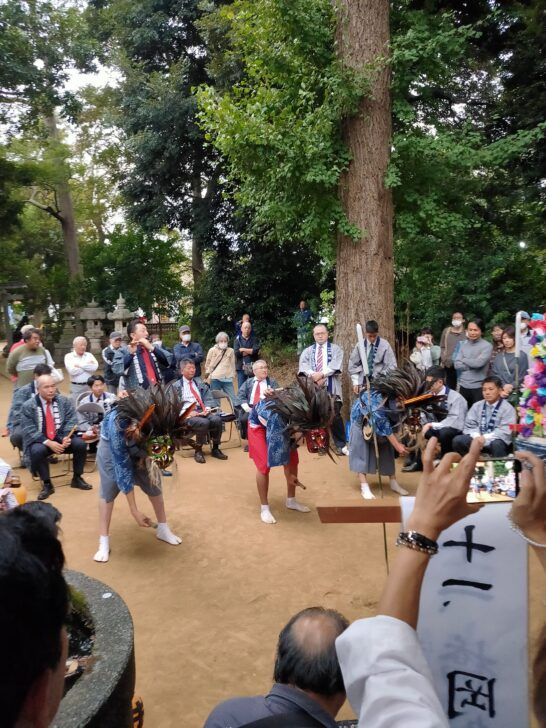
x=362, y=453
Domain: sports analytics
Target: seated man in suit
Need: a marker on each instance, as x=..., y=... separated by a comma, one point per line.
x=204, y=420
x=20, y=396
x=252, y=391
x=46, y=423
x=489, y=420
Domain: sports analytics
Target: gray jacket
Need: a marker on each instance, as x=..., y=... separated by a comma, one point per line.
x=20, y=396
x=457, y=409
x=472, y=362
x=504, y=367
x=333, y=370
x=384, y=361
x=506, y=416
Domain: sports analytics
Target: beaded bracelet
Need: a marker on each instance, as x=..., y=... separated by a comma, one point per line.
x=518, y=530
x=417, y=542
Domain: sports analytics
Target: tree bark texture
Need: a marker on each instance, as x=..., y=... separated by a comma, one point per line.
x=364, y=273
x=66, y=211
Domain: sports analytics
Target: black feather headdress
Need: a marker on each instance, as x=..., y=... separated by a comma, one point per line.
x=306, y=409
x=407, y=385
x=303, y=405
x=153, y=411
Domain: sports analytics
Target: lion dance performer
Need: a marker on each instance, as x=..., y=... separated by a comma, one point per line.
x=392, y=405
x=276, y=424
x=137, y=442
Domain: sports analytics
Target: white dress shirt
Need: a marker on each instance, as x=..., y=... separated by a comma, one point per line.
x=386, y=675
x=80, y=368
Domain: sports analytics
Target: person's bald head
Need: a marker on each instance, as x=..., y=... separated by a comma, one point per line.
x=306, y=653
x=46, y=387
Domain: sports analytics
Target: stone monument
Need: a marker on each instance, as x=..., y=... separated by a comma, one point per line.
x=120, y=314
x=93, y=315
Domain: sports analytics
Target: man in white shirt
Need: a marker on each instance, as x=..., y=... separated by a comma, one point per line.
x=323, y=362
x=251, y=392
x=80, y=364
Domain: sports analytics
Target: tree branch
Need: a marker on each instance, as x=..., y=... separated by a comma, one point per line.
x=46, y=208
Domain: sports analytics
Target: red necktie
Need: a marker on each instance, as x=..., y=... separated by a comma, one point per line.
x=257, y=393
x=196, y=395
x=148, y=365
x=49, y=423
x=318, y=365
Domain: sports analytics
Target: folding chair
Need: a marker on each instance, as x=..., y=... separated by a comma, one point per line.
x=233, y=438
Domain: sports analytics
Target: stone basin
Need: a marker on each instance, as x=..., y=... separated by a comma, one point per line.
x=102, y=696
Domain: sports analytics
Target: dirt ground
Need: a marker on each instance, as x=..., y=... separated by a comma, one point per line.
x=207, y=613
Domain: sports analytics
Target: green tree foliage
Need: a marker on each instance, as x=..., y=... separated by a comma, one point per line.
x=148, y=269
x=279, y=126
x=258, y=277
x=173, y=180
x=466, y=125
x=461, y=206
x=39, y=42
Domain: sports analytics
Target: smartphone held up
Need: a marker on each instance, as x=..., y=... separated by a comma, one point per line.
x=495, y=480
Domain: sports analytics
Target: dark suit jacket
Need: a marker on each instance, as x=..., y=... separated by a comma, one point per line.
x=245, y=391
x=250, y=343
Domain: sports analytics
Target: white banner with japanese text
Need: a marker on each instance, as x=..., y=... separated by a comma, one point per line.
x=473, y=620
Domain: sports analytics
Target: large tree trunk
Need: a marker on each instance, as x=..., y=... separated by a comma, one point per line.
x=65, y=210
x=365, y=277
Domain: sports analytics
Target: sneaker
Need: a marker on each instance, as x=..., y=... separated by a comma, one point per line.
x=345, y=450
x=413, y=468
x=199, y=457
x=267, y=517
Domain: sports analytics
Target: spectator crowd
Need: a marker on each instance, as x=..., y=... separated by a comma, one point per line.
x=321, y=660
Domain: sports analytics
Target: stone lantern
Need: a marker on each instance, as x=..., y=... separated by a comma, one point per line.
x=93, y=315
x=120, y=315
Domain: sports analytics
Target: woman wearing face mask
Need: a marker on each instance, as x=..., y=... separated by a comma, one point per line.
x=525, y=333
x=220, y=366
x=472, y=362
x=506, y=364
x=451, y=336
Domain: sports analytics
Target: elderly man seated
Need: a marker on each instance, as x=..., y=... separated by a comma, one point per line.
x=48, y=423
x=20, y=396
x=204, y=420
x=252, y=391
x=308, y=688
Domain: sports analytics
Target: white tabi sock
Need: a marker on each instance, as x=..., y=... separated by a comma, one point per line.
x=293, y=504
x=103, y=554
x=397, y=488
x=164, y=533
x=266, y=515
x=365, y=491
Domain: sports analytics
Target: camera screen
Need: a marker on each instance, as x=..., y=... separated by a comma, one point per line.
x=494, y=481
